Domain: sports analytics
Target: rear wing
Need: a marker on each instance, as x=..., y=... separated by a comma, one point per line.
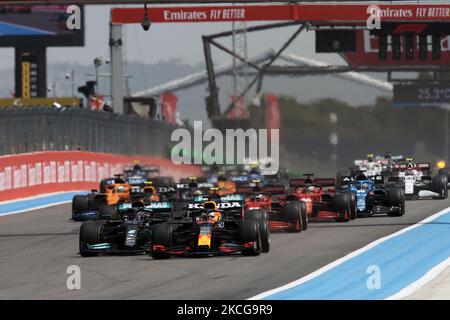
x=425, y=166
x=151, y=168
x=229, y=205
x=226, y=198
x=159, y=206
x=265, y=189
x=348, y=179
x=166, y=190
x=197, y=185
x=323, y=182
x=239, y=179
x=154, y=206
x=377, y=179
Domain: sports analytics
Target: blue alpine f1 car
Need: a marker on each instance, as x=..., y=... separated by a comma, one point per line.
x=373, y=196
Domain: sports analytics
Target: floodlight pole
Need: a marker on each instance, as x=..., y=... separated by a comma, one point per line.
x=117, y=85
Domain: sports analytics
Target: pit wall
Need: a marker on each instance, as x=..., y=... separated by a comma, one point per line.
x=34, y=174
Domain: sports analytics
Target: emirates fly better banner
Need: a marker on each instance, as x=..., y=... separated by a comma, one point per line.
x=315, y=13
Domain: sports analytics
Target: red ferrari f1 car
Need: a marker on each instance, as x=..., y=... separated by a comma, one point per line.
x=321, y=199
x=283, y=212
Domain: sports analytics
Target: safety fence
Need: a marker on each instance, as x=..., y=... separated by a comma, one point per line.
x=34, y=129
x=39, y=173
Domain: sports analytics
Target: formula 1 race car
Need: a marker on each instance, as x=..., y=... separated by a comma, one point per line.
x=137, y=183
x=188, y=188
x=211, y=225
x=116, y=179
x=445, y=172
x=322, y=201
x=97, y=205
x=372, y=165
x=225, y=186
x=376, y=165
x=282, y=212
x=417, y=181
x=374, y=197
x=144, y=171
x=129, y=230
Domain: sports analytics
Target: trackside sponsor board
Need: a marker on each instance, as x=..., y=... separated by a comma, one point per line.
x=313, y=13
x=39, y=173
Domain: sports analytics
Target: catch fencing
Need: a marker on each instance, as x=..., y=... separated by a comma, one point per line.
x=24, y=130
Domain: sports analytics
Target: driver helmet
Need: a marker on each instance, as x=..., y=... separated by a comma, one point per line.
x=364, y=186
x=197, y=192
x=120, y=189
x=153, y=198
x=260, y=196
x=186, y=196
x=310, y=188
x=214, y=216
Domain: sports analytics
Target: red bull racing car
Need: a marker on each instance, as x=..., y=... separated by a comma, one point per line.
x=211, y=225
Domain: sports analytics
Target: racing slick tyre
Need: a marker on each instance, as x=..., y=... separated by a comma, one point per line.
x=162, y=236
x=396, y=197
x=249, y=232
x=103, y=186
x=256, y=214
x=342, y=204
x=339, y=178
x=90, y=232
x=262, y=217
x=264, y=234
x=294, y=216
x=304, y=215
x=352, y=202
x=444, y=172
x=107, y=212
x=386, y=174
x=439, y=185
x=80, y=203
x=253, y=215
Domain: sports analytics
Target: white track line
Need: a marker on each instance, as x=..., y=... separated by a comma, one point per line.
x=426, y=278
x=35, y=208
x=38, y=197
x=41, y=196
x=419, y=283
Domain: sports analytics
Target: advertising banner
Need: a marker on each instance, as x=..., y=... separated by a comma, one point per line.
x=33, y=174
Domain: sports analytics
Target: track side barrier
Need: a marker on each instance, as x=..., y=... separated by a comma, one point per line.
x=33, y=174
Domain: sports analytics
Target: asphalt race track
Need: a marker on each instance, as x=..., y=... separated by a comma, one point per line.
x=37, y=247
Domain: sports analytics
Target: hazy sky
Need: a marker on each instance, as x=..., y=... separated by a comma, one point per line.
x=165, y=41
